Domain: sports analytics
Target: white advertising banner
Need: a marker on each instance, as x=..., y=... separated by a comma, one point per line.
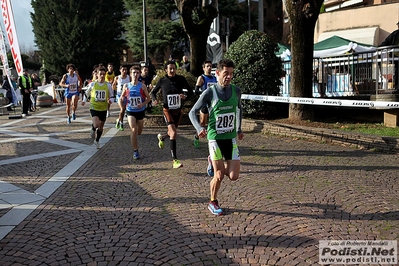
x=9, y=25
x=3, y=54
x=4, y=61
x=49, y=89
x=319, y=101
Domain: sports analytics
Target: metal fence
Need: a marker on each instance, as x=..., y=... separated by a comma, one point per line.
x=357, y=74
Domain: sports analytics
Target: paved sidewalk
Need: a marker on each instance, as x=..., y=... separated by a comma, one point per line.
x=63, y=202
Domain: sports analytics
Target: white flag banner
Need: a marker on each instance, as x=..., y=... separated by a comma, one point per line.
x=3, y=54
x=9, y=25
x=49, y=89
x=4, y=61
x=214, y=51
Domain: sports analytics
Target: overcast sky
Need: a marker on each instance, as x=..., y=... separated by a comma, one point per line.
x=21, y=10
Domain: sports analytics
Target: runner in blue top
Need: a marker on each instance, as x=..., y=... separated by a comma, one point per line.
x=136, y=94
x=70, y=81
x=204, y=82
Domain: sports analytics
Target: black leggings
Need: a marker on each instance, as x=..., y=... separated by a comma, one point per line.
x=25, y=103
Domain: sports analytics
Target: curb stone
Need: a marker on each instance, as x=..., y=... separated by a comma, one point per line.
x=356, y=140
x=337, y=137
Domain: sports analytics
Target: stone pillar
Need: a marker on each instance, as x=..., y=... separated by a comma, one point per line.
x=390, y=115
x=391, y=118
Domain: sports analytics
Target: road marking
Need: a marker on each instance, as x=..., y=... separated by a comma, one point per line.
x=22, y=202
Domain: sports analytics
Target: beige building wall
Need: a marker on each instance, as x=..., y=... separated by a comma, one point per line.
x=380, y=18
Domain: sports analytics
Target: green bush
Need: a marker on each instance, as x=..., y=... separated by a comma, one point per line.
x=258, y=70
x=42, y=93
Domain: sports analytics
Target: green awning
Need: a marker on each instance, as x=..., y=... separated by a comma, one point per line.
x=334, y=42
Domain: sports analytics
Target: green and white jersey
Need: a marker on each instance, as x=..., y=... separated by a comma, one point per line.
x=223, y=116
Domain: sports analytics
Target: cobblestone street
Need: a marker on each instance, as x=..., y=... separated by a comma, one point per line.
x=63, y=202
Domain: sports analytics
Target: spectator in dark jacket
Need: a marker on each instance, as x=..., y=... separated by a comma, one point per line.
x=185, y=64
x=8, y=87
x=393, y=39
x=35, y=84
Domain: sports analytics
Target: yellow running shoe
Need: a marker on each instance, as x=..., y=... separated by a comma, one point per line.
x=160, y=141
x=177, y=164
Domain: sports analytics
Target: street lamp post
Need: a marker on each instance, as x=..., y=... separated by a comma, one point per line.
x=145, y=33
x=260, y=16
x=249, y=14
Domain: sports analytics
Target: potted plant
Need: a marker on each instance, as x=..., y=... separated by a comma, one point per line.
x=44, y=99
x=3, y=102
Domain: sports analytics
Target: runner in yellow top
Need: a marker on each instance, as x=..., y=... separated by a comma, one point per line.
x=99, y=94
x=109, y=77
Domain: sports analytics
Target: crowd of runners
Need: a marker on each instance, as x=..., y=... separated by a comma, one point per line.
x=216, y=115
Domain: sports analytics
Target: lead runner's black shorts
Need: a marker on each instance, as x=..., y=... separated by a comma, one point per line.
x=102, y=115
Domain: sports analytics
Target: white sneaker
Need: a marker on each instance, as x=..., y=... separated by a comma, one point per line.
x=92, y=134
x=108, y=113
x=97, y=144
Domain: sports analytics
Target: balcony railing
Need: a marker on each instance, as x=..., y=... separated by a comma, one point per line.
x=356, y=74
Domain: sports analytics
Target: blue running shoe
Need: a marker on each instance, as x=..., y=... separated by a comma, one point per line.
x=209, y=170
x=69, y=120
x=136, y=155
x=213, y=206
x=73, y=116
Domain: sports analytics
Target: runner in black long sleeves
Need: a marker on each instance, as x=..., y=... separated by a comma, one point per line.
x=175, y=88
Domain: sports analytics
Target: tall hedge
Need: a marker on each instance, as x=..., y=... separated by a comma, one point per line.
x=258, y=69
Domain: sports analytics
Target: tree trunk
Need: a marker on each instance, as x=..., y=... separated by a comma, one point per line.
x=197, y=52
x=303, y=16
x=197, y=31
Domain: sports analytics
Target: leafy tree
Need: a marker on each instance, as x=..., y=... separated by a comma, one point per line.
x=197, y=19
x=26, y=62
x=303, y=16
x=163, y=31
x=237, y=15
x=258, y=69
x=273, y=23
x=84, y=33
